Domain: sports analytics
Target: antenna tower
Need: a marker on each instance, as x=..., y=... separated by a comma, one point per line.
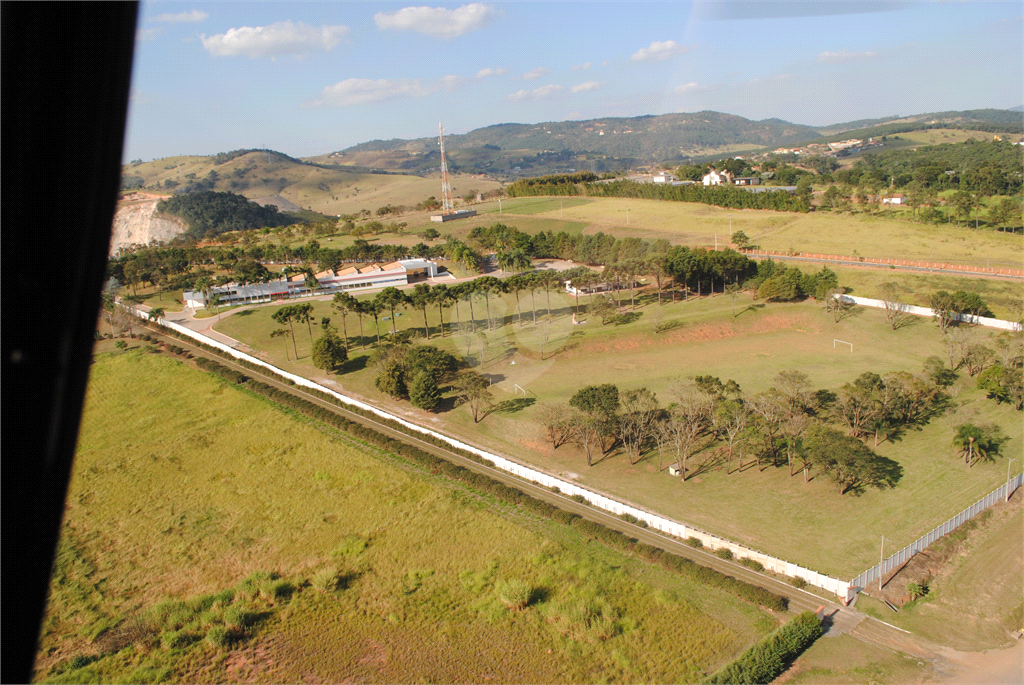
x=447, y=206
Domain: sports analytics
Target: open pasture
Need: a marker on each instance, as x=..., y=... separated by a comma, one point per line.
x=183, y=486
x=807, y=523
x=819, y=232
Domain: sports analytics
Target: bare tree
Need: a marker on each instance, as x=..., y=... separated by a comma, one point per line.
x=836, y=305
x=896, y=313
x=637, y=422
x=733, y=419
x=557, y=420
x=769, y=409
x=688, y=422
x=587, y=434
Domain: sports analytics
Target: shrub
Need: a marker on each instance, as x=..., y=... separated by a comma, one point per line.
x=514, y=594
x=239, y=616
x=277, y=590
x=219, y=636
x=564, y=517
x=326, y=580
x=579, y=498
x=121, y=344
x=763, y=662
x=752, y=564
x=798, y=583
x=695, y=543
x=173, y=639
x=917, y=590
x=723, y=553
x=79, y=661
x=629, y=518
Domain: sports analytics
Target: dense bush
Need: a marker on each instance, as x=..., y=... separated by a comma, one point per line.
x=763, y=662
x=752, y=564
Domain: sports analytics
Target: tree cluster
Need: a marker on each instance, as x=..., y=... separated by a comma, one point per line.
x=212, y=213
x=790, y=424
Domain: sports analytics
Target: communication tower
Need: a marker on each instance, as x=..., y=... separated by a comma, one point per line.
x=447, y=206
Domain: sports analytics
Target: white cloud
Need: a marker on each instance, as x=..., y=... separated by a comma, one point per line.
x=582, y=67
x=361, y=91
x=277, y=39
x=450, y=82
x=536, y=94
x=689, y=88
x=191, y=16
x=536, y=73
x=659, y=51
x=844, y=56
x=491, y=72
x=437, y=21
x=589, y=85
x=148, y=34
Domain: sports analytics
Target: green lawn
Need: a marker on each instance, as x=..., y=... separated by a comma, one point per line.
x=184, y=486
x=807, y=523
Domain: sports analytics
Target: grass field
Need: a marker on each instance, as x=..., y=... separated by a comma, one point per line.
x=821, y=232
x=183, y=487
x=844, y=660
x=975, y=601
x=768, y=510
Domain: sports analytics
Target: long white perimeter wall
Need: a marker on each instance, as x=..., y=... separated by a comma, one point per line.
x=925, y=311
x=840, y=588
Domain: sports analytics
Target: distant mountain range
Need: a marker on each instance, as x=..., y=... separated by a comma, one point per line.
x=614, y=143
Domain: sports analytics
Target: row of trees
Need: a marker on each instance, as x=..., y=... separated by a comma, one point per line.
x=789, y=425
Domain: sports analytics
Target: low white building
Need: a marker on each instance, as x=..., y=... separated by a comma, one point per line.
x=330, y=281
x=717, y=178
x=897, y=199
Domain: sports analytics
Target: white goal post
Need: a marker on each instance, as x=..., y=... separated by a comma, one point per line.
x=516, y=388
x=841, y=342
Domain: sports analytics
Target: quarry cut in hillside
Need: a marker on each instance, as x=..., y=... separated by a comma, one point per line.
x=136, y=222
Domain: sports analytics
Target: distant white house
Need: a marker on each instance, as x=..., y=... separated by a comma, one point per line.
x=663, y=177
x=897, y=199
x=717, y=178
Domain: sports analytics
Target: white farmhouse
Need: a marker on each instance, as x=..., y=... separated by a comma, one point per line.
x=717, y=178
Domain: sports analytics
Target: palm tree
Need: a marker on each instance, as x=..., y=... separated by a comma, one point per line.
x=488, y=285
x=375, y=308
x=974, y=444
x=155, y=314
x=531, y=282
x=515, y=284
x=304, y=313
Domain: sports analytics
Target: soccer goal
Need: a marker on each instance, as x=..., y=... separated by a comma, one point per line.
x=836, y=341
x=516, y=388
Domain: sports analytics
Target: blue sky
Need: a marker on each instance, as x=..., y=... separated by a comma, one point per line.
x=312, y=78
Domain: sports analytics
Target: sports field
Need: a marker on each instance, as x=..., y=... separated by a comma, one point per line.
x=183, y=487
x=807, y=523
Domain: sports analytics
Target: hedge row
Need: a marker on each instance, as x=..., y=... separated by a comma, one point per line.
x=482, y=483
x=766, y=660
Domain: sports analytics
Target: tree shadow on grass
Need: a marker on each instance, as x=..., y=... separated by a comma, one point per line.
x=513, y=406
x=750, y=308
x=539, y=595
x=355, y=364
x=669, y=326
x=627, y=318
x=245, y=312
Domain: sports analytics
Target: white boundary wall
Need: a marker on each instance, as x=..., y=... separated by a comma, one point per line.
x=841, y=588
x=925, y=311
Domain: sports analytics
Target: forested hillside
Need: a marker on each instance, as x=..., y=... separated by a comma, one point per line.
x=210, y=213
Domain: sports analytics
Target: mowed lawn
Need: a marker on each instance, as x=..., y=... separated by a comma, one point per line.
x=183, y=485
x=819, y=232
x=807, y=523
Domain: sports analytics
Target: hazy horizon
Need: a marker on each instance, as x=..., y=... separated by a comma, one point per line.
x=308, y=79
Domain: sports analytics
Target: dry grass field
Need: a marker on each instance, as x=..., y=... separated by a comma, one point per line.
x=195, y=506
